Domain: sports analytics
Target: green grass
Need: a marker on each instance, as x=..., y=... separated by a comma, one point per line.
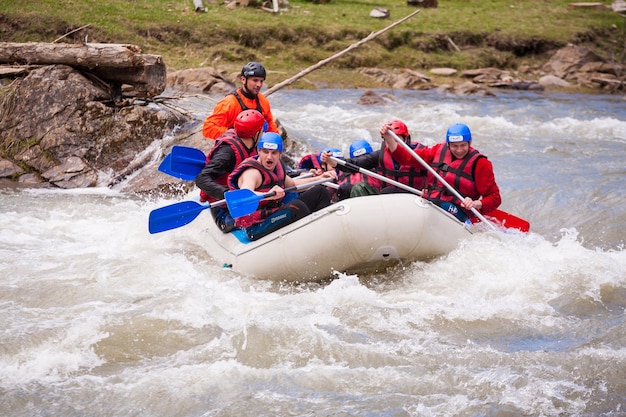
x=488, y=32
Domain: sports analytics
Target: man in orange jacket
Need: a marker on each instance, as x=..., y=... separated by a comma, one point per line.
x=249, y=96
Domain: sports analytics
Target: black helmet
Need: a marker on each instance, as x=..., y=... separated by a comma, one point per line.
x=253, y=69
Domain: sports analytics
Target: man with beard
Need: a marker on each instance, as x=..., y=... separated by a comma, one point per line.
x=248, y=96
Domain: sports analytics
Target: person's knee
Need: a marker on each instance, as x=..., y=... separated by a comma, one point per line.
x=223, y=219
x=298, y=210
x=362, y=189
x=344, y=191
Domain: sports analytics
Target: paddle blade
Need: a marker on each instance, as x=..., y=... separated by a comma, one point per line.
x=242, y=202
x=183, y=162
x=187, y=162
x=507, y=220
x=174, y=216
x=510, y=221
x=166, y=165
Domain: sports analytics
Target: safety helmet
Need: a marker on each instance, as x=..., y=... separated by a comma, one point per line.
x=272, y=141
x=399, y=128
x=360, y=147
x=458, y=133
x=333, y=152
x=248, y=123
x=253, y=69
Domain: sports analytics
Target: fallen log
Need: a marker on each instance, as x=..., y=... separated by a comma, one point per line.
x=586, y=5
x=14, y=71
x=337, y=55
x=610, y=82
x=117, y=63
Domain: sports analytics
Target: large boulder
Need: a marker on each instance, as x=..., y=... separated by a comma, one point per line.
x=64, y=128
x=567, y=61
x=403, y=79
x=206, y=80
x=552, y=81
x=581, y=66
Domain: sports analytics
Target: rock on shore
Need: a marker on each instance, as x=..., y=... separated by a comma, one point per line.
x=61, y=128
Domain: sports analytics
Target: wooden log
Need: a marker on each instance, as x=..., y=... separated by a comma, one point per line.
x=14, y=71
x=117, y=63
x=337, y=55
x=586, y=5
x=606, y=81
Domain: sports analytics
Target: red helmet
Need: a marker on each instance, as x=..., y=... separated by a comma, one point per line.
x=248, y=123
x=399, y=128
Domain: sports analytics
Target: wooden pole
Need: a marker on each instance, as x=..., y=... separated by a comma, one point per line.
x=327, y=60
x=70, y=32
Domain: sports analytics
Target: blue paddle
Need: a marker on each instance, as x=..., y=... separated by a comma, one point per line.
x=177, y=215
x=183, y=162
x=244, y=201
x=166, y=165
x=186, y=163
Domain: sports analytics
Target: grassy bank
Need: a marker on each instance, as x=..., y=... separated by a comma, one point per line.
x=504, y=34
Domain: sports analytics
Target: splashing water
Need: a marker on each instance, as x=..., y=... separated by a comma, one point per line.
x=102, y=318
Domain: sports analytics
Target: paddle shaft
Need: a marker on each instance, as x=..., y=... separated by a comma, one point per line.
x=245, y=201
x=177, y=215
x=298, y=187
x=377, y=176
x=439, y=177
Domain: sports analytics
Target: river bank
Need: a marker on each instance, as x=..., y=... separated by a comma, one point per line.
x=98, y=140
x=457, y=34
x=575, y=51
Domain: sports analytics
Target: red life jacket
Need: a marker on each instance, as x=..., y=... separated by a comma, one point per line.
x=269, y=179
x=309, y=161
x=459, y=173
x=406, y=174
x=228, y=138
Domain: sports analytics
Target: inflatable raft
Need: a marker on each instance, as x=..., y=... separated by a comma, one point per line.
x=357, y=235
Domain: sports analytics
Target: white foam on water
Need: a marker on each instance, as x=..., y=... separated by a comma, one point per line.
x=102, y=318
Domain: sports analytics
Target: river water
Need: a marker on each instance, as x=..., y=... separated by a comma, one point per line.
x=100, y=318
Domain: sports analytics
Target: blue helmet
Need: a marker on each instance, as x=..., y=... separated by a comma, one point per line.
x=458, y=133
x=271, y=141
x=360, y=147
x=333, y=152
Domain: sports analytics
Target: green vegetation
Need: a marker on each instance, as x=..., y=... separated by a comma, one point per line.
x=499, y=33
